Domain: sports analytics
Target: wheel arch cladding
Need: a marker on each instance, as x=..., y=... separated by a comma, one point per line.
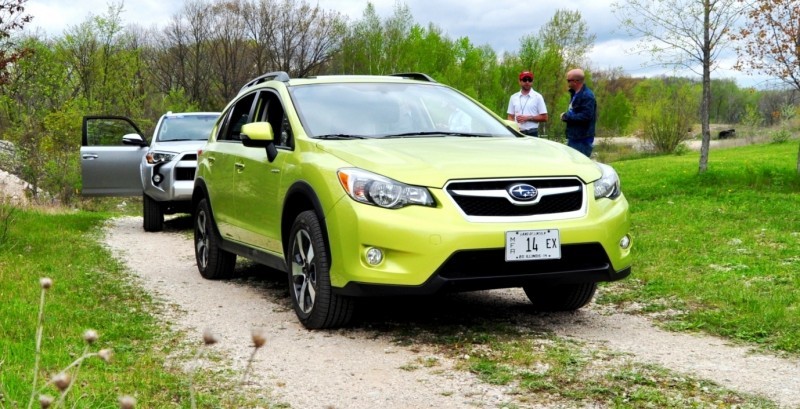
x=299, y=198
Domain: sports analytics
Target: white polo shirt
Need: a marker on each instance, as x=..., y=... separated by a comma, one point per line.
x=531, y=104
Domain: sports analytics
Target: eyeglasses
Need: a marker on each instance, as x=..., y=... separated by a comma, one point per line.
x=526, y=79
x=572, y=80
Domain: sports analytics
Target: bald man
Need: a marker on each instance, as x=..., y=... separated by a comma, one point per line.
x=581, y=115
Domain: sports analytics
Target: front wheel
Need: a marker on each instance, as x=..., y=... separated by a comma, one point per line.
x=309, y=277
x=563, y=297
x=152, y=214
x=213, y=262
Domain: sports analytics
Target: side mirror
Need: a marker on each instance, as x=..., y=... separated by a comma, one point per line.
x=133, y=139
x=259, y=135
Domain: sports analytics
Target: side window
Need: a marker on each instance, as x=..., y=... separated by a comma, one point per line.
x=107, y=131
x=238, y=116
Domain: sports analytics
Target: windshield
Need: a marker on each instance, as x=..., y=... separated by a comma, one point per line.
x=186, y=127
x=391, y=110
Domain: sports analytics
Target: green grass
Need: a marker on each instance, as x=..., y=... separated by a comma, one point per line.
x=723, y=247
x=90, y=291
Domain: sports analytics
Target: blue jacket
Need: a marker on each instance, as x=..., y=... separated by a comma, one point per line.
x=582, y=115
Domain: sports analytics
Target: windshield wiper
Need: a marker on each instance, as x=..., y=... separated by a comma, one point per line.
x=437, y=133
x=467, y=134
x=339, y=136
x=412, y=134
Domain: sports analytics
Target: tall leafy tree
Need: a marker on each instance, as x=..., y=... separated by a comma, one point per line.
x=684, y=33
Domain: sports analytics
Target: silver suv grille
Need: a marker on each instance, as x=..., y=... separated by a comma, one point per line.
x=491, y=200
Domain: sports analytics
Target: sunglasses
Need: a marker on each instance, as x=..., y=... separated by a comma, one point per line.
x=527, y=79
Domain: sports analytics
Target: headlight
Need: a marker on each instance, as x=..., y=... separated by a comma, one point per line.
x=155, y=157
x=367, y=187
x=608, y=184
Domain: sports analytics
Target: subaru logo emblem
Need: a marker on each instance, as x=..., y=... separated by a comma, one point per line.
x=523, y=192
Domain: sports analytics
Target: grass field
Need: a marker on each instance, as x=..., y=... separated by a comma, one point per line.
x=720, y=249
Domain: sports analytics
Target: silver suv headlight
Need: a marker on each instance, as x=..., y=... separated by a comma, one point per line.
x=370, y=188
x=155, y=157
x=608, y=185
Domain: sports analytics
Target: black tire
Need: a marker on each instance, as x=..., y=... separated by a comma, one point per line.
x=213, y=262
x=564, y=297
x=152, y=214
x=309, y=277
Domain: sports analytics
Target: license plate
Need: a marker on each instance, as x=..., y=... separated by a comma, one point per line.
x=522, y=245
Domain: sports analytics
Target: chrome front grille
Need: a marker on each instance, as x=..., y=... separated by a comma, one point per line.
x=490, y=200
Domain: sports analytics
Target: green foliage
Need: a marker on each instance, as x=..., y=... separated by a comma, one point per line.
x=781, y=136
x=665, y=113
x=615, y=115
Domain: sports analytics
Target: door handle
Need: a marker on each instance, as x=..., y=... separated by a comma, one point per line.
x=239, y=166
x=89, y=156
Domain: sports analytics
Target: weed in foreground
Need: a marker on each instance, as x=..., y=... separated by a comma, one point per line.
x=66, y=378
x=209, y=338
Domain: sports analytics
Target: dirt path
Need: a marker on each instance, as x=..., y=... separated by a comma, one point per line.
x=354, y=368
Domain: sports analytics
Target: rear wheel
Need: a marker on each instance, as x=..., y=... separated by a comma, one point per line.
x=153, y=214
x=309, y=277
x=563, y=297
x=213, y=262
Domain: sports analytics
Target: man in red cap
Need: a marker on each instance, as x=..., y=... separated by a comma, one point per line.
x=526, y=107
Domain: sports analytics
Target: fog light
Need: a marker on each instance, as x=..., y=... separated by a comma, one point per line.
x=157, y=178
x=625, y=242
x=374, y=256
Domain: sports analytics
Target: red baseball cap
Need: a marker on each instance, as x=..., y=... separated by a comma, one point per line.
x=524, y=74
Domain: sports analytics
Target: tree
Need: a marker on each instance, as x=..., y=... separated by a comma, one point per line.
x=12, y=18
x=683, y=33
x=771, y=42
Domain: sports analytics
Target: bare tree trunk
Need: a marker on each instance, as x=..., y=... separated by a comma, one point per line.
x=704, y=105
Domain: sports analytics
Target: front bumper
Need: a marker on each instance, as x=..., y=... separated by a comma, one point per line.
x=177, y=180
x=434, y=249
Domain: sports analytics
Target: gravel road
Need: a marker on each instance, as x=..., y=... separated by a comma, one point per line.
x=355, y=368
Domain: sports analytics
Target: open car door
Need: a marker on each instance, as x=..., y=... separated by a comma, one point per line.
x=112, y=148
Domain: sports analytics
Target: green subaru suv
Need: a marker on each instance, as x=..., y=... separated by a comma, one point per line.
x=398, y=185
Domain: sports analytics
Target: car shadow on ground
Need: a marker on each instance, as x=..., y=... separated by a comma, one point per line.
x=178, y=223
x=438, y=313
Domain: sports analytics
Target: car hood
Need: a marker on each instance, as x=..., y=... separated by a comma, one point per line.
x=179, y=146
x=433, y=161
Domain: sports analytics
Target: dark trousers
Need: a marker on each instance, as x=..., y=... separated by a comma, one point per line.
x=531, y=132
x=582, y=145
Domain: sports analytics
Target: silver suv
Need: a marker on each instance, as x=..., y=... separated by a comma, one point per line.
x=116, y=160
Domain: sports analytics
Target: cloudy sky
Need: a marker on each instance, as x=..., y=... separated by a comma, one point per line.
x=499, y=23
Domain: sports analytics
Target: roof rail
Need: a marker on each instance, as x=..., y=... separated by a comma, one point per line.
x=275, y=75
x=414, y=76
